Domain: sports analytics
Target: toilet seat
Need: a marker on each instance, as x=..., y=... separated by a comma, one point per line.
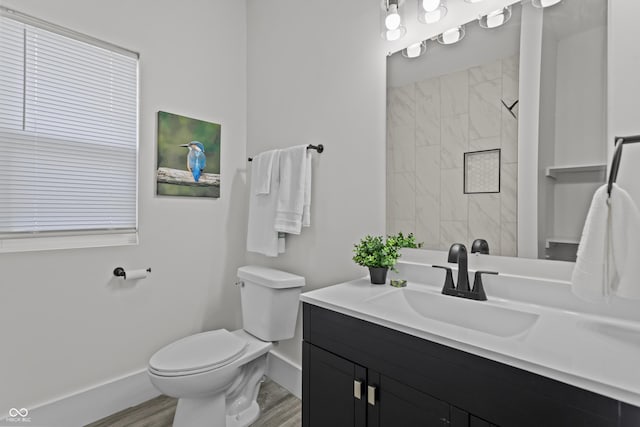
x=197, y=353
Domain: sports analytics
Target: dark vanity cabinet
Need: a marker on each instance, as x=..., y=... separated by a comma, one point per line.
x=357, y=373
x=342, y=393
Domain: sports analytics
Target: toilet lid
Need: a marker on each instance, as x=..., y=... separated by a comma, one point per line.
x=204, y=351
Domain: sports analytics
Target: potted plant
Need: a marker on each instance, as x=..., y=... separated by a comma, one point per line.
x=379, y=254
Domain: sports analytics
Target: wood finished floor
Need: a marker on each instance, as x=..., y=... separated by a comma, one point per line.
x=278, y=407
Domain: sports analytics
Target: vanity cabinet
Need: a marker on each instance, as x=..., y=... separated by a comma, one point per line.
x=344, y=394
x=357, y=373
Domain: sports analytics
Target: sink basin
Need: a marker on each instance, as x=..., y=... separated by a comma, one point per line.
x=476, y=315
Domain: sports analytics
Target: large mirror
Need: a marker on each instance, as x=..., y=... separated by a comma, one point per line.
x=453, y=146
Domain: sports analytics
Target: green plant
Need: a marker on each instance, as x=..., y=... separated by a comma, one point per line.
x=401, y=241
x=374, y=251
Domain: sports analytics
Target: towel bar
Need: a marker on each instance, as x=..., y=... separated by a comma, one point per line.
x=319, y=148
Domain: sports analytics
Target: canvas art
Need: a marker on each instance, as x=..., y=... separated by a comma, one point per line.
x=188, y=157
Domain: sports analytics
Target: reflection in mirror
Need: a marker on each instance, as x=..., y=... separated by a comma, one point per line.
x=572, y=134
x=452, y=132
x=452, y=120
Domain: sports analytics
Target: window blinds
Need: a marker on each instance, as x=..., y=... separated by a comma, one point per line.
x=68, y=133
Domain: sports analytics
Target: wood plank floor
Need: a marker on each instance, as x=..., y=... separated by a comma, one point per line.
x=278, y=407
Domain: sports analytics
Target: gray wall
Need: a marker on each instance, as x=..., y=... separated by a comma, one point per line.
x=316, y=74
x=66, y=324
x=624, y=88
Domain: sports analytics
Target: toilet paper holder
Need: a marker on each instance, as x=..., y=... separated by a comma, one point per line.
x=120, y=272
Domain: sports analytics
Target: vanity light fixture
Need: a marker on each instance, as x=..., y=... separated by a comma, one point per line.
x=496, y=18
x=431, y=11
x=452, y=35
x=544, y=3
x=415, y=50
x=391, y=20
x=473, y=1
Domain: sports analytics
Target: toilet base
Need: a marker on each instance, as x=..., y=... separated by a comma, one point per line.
x=244, y=418
x=208, y=411
x=200, y=412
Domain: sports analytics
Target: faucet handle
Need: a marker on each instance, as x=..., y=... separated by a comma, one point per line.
x=478, y=288
x=448, y=281
x=480, y=246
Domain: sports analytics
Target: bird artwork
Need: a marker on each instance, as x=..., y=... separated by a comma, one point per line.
x=183, y=139
x=196, y=159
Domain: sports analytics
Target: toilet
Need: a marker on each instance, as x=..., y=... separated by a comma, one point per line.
x=216, y=375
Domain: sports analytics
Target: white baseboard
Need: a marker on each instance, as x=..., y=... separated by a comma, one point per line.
x=285, y=372
x=94, y=403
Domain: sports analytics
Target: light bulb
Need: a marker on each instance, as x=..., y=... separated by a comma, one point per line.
x=414, y=50
x=546, y=3
x=430, y=5
x=495, y=18
x=392, y=21
x=451, y=36
x=473, y=1
x=432, y=17
x=393, y=34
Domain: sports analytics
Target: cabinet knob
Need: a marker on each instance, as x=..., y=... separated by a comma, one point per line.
x=371, y=395
x=357, y=389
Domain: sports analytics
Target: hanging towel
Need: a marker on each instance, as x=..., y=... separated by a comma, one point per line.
x=262, y=166
x=306, y=209
x=625, y=242
x=609, y=247
x=261, y=236
x=291, y=196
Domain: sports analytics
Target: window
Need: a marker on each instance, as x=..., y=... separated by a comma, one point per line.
x=68, y=138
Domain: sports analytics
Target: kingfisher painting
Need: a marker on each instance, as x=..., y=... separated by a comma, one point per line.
x=193, y=172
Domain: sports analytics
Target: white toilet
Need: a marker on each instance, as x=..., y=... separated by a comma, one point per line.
x=217, y=374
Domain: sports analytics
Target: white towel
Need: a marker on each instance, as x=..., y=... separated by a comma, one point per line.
x=261, y=236
x=291, y=196
x=261, y=166
x=625, y=239
x=607, y=262
x=306, y=209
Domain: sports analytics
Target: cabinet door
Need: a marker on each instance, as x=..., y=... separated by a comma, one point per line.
x=401, y=405
x=330, y=389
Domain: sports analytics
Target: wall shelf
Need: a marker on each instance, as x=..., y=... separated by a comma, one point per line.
x=562, y=241
x=554, y=171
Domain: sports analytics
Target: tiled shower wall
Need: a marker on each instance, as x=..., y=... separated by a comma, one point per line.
x=430, y=125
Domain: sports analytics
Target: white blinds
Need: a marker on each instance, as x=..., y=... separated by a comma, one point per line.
x=68, y=133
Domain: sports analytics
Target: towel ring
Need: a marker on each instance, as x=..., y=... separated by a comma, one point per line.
x=619, y=141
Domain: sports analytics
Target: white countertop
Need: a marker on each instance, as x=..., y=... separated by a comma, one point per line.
x=590, y=351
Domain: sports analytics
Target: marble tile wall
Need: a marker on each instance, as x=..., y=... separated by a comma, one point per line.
x=430, y=125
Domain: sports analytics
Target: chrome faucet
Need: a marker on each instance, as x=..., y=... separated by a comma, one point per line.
x=458, y=253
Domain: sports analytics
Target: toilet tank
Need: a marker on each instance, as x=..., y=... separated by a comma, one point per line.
x=269, y=302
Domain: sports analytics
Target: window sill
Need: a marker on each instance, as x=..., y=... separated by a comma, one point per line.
x=49, y=243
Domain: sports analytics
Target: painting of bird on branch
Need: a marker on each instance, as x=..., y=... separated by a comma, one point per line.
x=192, y=172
